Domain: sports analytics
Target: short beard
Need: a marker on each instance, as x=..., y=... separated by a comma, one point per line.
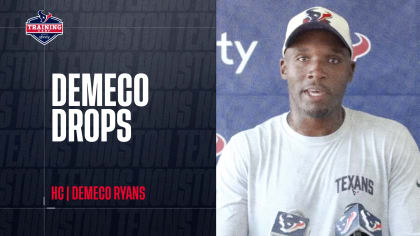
x=313, y=111
x=318, y=113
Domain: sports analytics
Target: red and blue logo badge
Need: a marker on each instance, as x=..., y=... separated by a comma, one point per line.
x=313, y=16
x=44, y=28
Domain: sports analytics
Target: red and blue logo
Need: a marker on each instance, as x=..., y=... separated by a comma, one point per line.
x=44, y=28
x=362, y=47
x=313, y=16
x=220, y=144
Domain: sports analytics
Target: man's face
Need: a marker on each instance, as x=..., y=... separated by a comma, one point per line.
x=317, y=67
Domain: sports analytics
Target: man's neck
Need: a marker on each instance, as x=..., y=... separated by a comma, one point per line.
x=310, y=126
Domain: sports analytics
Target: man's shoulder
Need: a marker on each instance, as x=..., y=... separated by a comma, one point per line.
x=261, y=133
x=273, y=124
x=369, y=122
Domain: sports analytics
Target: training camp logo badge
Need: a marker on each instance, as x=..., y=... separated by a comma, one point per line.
x=44, y=28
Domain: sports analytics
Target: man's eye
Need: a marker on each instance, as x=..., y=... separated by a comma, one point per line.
x=334, y=60
x=302, y=59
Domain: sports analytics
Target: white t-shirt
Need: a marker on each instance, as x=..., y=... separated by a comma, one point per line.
x=369, y=160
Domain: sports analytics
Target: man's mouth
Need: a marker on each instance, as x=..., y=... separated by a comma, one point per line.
x=314, y=92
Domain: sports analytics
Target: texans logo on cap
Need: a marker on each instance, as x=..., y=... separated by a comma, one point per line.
x=317, y=16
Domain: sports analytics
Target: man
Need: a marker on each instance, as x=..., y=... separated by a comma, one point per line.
x=319, y=157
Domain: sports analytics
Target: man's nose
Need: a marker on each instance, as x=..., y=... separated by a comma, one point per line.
x=316, y=70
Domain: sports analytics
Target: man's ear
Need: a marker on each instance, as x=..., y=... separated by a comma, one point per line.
x=352, y=69
x=283, y=68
